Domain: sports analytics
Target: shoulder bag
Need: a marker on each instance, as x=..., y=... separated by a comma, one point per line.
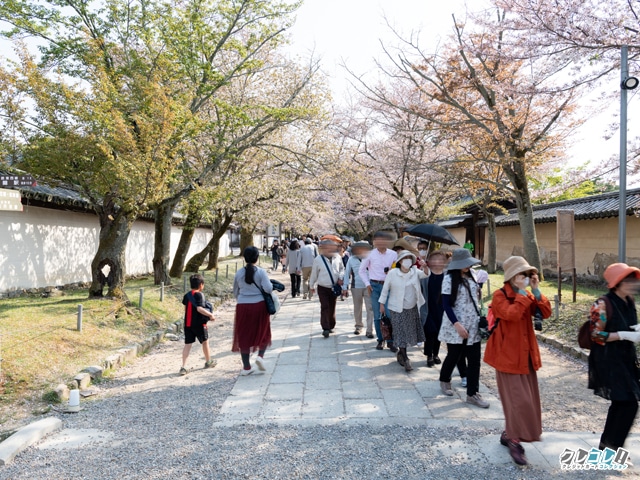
x=335, y=288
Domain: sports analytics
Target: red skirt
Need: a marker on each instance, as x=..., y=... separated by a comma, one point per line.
x=252, y=328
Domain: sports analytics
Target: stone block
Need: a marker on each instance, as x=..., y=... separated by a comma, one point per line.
x=112, y=361
x=83, y=380
x=173, y=328
x=172, y=336
x=94, y=371
x=27, y=436
x=62, y=393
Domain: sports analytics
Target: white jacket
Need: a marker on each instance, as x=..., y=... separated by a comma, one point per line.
x=320, y=274
x=395, y=284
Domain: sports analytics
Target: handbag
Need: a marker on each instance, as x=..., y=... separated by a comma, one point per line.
x=271, y=300
x=385, y=327
x=335, y=288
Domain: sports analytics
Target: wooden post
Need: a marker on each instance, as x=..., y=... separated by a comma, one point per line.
x=79, y=323
x=141, y=297
x=162, y=291
x=184, y=284
x=556, y=301
x=559, y=285
x=216, y=275
x=227, y=271
x=575, y=285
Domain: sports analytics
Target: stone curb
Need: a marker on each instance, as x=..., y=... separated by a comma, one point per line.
x=26, y=437
x=576, y=352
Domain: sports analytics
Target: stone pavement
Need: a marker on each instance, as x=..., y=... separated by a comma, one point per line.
x=343, y=379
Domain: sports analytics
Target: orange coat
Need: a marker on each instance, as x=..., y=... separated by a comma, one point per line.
x=513, y=341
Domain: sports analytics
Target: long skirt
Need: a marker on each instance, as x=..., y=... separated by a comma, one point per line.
x=252, y=328
x=407, y=327
x=520, y=399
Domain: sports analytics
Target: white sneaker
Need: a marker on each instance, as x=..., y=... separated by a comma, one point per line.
x=245, y=372
x=260, y=363
x=463, y=382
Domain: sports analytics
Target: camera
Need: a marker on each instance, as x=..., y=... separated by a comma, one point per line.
x=483, y=328
x=386, y=269
x=537, y=320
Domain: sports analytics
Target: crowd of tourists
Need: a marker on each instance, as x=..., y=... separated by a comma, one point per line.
x=428, y=297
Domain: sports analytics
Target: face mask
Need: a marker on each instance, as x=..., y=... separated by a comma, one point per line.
x=423, y=253
x=526, y=281
x=407, y=263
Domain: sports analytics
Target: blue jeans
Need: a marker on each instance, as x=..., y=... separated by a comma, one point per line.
x=376, y=290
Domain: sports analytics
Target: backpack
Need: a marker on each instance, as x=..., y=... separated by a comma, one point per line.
x=584, y=333
x=492, y=320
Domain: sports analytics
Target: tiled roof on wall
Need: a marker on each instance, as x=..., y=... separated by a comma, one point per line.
x=596, y=206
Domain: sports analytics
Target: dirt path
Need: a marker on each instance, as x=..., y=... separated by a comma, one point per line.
x=567, y=404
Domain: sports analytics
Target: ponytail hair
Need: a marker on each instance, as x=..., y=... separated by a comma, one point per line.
x=251, y=256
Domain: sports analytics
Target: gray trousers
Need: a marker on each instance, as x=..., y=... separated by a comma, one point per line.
x=306, y=275
x=358, y=295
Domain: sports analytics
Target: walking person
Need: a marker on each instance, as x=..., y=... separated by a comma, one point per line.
x=402, y=289
x=359, y=292
x=252, y=326
x=513, y=351
x=613, y=363
x=196, y=317
x=459, y=327
x=327, y=271
x=373, y=271
x=432, y=310
x=308, y=253
x=294, y=265
x=275, y=255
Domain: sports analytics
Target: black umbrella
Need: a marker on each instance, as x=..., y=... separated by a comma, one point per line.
x=433, y=233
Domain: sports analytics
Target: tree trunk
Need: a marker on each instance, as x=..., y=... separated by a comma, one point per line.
x=162, y=242
x=108, y=266
x=525, y=215
x=179, y=258
x=493, y=244
x=246, y=237
x=212, y=249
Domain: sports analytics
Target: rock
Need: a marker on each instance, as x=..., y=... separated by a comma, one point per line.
x=129, y=353
x=62, y=393
x=95, y=371
x=172, y=336
x=83, y=380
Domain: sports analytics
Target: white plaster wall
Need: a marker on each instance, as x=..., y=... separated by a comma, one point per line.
x=42, y=247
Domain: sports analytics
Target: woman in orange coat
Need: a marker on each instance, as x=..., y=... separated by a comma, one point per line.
x=513, y=351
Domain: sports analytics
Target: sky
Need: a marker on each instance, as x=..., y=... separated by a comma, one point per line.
x=350, y=31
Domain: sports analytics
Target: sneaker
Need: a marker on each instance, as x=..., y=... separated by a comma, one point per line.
x=369, y=335
x=260, y=363
x=245, y=372
x=477, y=401
x=210, y=364
x=380, y=346
x=304, y=296
x=356, y=331
x=183, y=371
x=446, y=388
x=517, y=452
x=463, y=381
x=430, y=362
x=437, y=360
x=325, y=333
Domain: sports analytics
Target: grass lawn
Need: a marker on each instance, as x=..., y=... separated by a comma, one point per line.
x=41, y=347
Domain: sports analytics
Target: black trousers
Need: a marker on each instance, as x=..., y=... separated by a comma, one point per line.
x=327, y=308
x=619, y=420
x=295, y=284
x=462, y=351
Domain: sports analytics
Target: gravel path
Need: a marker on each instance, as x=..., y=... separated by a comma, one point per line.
x=150, y=423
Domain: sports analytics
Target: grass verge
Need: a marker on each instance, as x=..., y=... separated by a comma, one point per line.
x=40, y=346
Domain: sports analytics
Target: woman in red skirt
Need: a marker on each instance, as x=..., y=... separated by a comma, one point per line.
x=513, y=351
x=252, y=328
